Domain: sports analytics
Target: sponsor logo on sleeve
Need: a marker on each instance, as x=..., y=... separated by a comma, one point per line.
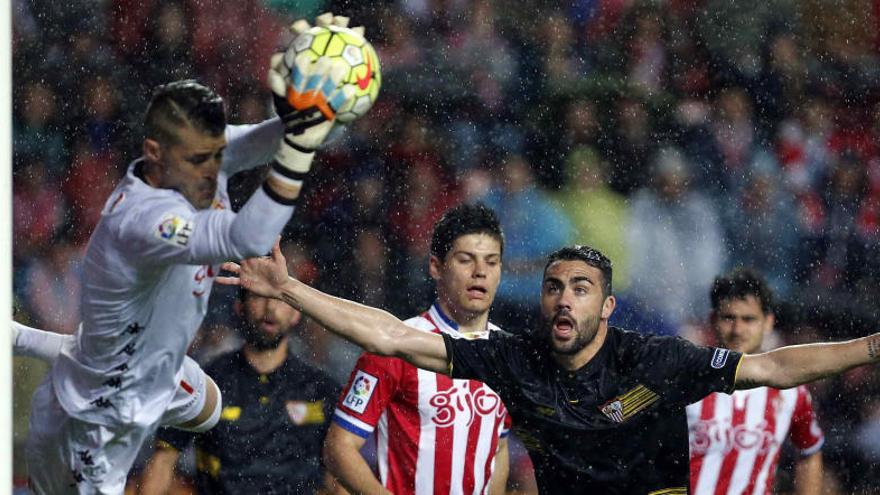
x=174, y=229
x=361, y=390
x=719, y=359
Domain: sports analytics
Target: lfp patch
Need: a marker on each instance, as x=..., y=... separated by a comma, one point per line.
x=174, y=229
x=362, y=388
x=719, y=358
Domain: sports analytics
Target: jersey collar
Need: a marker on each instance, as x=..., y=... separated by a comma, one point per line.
x=447, y=325
x=442, y=320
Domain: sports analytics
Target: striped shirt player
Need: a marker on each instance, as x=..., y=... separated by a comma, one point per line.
x=148, y=273
x=434, y=434
x=735, y=439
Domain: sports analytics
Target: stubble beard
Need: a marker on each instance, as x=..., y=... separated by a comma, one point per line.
x=259, y=341
x=585, y=331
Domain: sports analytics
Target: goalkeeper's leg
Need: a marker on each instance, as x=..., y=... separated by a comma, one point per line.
x=69, y=456
x=197, y=401
x=40, y=344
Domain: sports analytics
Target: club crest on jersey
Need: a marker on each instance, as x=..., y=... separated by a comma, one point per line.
x=362, y=388
x=174, y=229
x=719, y=358
x=305, y=413
x=614, y=410
x=629, y=404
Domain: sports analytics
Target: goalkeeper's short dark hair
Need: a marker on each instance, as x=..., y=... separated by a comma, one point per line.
x=464, y=219
x=588, y=255
x=739, y=284
x=183, y=103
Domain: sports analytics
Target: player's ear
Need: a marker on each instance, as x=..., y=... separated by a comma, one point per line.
x=238, y=307
x=770, y=322
x=152, y=150
x=608, y=307
x=434, y=267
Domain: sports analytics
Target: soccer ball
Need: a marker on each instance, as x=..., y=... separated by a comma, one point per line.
x=336, y=42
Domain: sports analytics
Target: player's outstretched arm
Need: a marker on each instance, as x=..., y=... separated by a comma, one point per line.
x=375, y=330
x=795, y=365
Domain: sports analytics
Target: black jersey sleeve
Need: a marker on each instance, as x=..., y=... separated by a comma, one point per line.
x=688, y=372
x=172, y=437
x=486, y=360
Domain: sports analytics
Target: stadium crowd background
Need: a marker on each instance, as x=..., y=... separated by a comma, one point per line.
x=682, y=138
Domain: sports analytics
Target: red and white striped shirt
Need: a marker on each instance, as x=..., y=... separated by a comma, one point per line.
x=435, y=434
x=735, y=439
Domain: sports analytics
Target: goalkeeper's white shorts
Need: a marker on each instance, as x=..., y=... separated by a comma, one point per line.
x=69, y=456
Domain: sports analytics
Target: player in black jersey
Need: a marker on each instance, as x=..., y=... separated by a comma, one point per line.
x=600, y=409
x=276, y=411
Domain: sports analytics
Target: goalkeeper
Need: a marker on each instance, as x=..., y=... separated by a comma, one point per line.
x=150, y=266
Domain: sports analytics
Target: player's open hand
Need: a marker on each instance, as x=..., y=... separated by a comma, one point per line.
x=264, y=276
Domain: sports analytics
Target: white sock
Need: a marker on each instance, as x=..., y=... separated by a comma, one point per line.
x=40, y=344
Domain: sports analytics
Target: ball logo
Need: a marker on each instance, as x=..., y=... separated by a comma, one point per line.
x=364, y=82
x=362, y=388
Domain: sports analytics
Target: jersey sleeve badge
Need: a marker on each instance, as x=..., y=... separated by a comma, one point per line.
x=174, y=229
x=362, y=388
x=719, y=358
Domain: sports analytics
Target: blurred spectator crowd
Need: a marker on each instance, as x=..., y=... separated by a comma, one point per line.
x=682, y=138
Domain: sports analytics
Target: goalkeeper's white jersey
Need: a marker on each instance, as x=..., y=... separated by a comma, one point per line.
x=148, y=272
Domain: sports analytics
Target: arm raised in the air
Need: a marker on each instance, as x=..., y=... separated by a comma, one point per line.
x=791, y=366
x=373, y=329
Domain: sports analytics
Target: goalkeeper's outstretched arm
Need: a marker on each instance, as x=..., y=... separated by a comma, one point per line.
x=375, y=330
x=36, y=343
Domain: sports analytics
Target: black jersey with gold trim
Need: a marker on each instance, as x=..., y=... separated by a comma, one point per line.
x=271, y=429
x=615, y=426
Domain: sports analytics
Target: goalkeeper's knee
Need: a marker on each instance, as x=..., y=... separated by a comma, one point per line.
x=213, y=416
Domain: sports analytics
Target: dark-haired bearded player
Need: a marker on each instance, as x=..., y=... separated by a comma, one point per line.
x=736, y=439
x=600, y=409
x=150, y=266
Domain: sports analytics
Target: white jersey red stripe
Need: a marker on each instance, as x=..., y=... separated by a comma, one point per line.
x=735, y=439
x=434, y=434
